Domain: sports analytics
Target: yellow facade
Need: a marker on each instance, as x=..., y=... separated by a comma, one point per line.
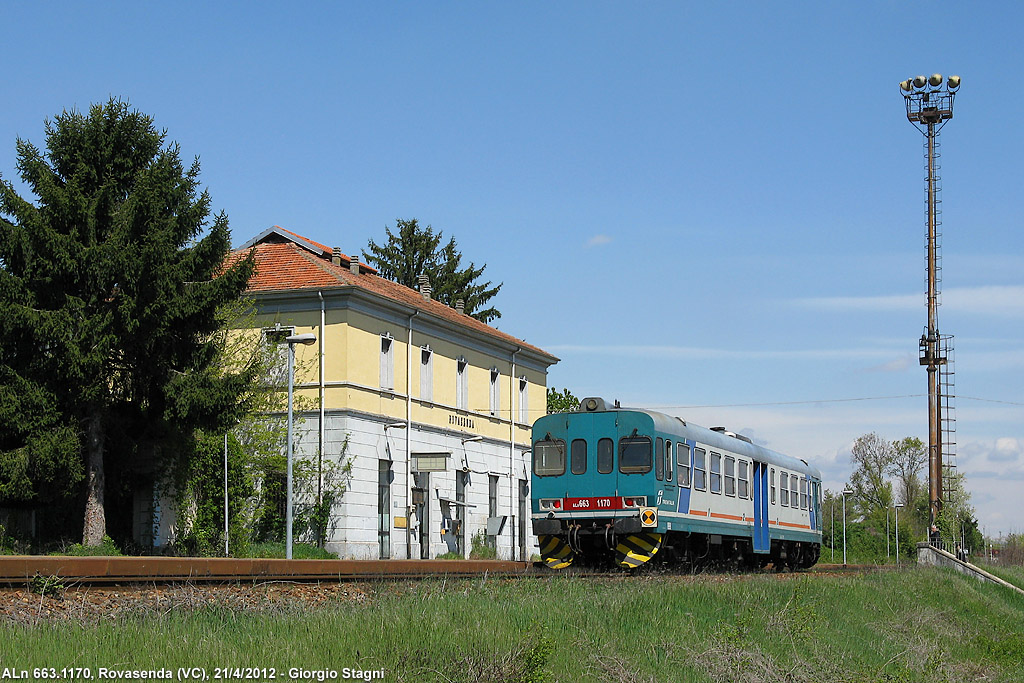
x=351, y=352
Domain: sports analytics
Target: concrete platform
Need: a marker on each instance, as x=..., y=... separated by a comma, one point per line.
x=930, y=556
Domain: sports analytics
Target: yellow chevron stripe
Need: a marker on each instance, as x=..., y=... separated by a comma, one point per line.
x=637, y=549
x=555, y=552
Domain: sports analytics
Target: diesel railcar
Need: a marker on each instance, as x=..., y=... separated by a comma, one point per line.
x=627, y=485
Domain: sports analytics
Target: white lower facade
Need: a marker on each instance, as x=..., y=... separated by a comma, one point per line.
x=455, y=486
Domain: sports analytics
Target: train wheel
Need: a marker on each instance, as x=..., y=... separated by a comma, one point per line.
x=636, y=549
x=555, y=552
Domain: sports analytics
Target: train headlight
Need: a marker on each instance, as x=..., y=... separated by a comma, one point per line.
x=550, y=503
x=634, y=501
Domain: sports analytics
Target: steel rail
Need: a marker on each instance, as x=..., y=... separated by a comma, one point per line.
x=17, y=569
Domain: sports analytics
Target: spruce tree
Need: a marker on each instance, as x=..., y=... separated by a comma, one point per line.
x=416, y=251
x=110, y=282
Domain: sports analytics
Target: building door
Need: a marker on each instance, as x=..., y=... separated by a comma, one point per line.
x=421, y=498
x=492, y=507
x=461, y=480
x=524, y=498
x=384, y=508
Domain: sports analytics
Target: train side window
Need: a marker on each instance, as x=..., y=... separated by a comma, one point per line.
x=803, y=494
x=683, y=459
x=716, y=472
x=744, y=480
x=730, y=475
x=794, y=491
x=578, y=456
x=659, y=464
x=605, y=456
x=635, y=454
x=772, y=480
x=784, y=488
x=669, y=469
x=699, y=471
x=549, y=458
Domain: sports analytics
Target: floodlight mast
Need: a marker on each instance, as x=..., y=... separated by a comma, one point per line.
x=929, y=106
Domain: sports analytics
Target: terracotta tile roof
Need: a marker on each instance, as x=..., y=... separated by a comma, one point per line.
x=285, y=262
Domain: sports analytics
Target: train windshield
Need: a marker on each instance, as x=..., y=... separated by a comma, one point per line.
x=549, y=458
x=635, y=454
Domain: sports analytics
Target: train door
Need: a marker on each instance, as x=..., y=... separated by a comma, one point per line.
x=812, y=491
x=669, y=497
x=762, y=540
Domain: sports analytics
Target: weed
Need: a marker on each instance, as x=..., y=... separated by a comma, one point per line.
x=480, y=548
x=47, y=586
x=105, y=549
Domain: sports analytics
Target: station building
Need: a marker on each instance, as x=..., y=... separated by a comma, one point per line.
x=431, y=407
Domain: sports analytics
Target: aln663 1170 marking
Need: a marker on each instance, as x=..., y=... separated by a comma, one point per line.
x=624, y=485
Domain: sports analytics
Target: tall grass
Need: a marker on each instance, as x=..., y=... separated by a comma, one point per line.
x=927, y=625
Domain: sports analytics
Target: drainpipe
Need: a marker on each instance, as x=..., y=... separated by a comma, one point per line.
x=323, y=427
x=512, y=455
x=408, y=440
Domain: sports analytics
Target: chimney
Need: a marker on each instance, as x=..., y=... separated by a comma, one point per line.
x=336, y=256
x=425, y=287
x=353, y=266
x=460, y=305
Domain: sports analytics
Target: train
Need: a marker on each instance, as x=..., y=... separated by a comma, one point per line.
x=621, y=486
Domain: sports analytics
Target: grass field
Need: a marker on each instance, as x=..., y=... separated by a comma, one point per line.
x=913, y=625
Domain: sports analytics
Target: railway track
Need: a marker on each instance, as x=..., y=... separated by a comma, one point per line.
x=16, y=570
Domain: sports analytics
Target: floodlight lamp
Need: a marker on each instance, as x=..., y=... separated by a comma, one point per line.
x=905, y=86
x=307, y=339
x=919, y=82
x=395, y=425
x=953, y=83
x=847, y=492
x=935, y=81
x=472, y=438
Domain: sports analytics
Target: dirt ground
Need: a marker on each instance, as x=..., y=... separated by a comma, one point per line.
x=90, y=604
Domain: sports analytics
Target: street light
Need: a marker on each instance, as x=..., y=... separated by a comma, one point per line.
x=929, y=103
x=846, y=492
x=304, y=339
x=897, y=506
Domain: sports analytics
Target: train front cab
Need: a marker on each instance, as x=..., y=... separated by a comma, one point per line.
x=595, y=493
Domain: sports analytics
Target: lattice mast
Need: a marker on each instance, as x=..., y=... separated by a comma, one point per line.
x=929, y=106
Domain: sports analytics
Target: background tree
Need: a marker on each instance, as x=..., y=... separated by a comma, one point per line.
x=561, y=402
x=109, y=298
x=909, y=456
x=957, y=523
x=416, y=251
x=871, y=457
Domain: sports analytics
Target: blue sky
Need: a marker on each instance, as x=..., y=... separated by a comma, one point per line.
x=712, y=208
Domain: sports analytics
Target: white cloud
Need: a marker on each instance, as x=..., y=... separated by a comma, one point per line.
x=699, y=353
x=599, y=240
x=1005, y=301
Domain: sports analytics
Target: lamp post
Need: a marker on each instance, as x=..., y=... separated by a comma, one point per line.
x=887, y=533
x=846, y=492
x=832, y=527
x=897, y=507
x=225, y=494
x=929, y=106
x=305, y=339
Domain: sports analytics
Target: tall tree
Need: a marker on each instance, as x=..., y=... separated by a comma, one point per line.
x=909, y=456
x=109, y=296
x=416, y=251
x=561, y=401
x=872, y=457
